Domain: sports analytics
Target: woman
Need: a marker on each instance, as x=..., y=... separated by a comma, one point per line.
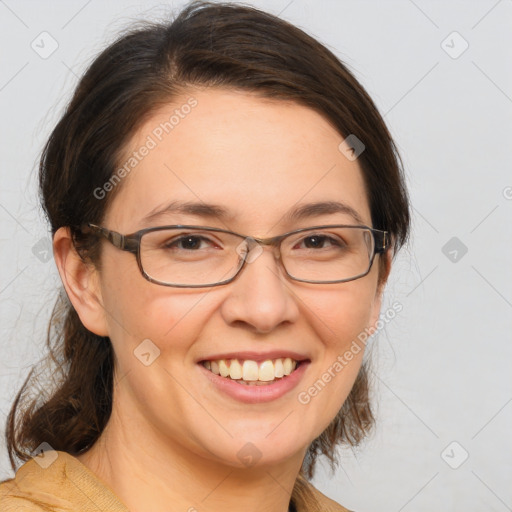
x=261, y=198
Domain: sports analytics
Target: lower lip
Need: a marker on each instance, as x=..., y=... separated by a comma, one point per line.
x=256, y=394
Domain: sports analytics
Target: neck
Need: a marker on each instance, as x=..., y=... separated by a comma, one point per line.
x=149, y=472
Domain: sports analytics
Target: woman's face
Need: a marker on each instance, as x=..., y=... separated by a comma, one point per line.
x=259, y=160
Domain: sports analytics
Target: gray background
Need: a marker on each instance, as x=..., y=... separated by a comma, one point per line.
x=442, y=366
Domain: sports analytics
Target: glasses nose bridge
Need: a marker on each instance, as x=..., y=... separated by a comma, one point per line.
x=274, y=242
x=252, y=243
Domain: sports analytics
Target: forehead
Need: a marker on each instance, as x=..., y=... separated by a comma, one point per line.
x=257, y=158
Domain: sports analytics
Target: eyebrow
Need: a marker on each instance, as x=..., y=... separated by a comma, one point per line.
x=215, y=211
x=199, y=209
x=309, y=210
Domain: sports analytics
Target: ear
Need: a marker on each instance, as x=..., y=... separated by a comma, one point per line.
x=384, y=270
x=81, y=282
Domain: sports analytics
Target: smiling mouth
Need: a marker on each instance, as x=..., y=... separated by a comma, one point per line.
x=251, y=373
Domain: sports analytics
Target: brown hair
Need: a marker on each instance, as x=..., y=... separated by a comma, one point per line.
x=208, y=45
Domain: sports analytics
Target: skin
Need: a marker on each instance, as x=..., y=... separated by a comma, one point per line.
x=175, y=432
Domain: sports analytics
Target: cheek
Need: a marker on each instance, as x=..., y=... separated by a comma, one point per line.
x=173, y=320
x=158, y=313
x=338, y=317
x=340, y=314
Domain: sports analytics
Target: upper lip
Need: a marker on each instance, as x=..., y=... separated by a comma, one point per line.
x=257, y=356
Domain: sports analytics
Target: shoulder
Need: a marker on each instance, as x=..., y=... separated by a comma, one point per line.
x=56, y=482
x=24, y=492
x=326, y=504
x=11, y=501
x=15, y=504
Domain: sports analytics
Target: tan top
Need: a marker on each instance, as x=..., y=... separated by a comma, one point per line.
x=67, y=485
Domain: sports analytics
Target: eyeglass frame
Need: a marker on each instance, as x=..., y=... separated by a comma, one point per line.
x=131, y=243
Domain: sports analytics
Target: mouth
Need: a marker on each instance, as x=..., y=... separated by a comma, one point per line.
x=248, y=372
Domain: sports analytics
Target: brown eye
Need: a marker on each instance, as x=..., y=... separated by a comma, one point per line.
x=318, y=241
x=188, y=243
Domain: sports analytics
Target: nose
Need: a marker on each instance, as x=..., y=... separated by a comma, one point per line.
x=260, y=297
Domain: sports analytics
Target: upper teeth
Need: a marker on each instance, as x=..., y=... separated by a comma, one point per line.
x=250, y=370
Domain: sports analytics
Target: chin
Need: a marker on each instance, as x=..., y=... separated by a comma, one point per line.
x=258, y=449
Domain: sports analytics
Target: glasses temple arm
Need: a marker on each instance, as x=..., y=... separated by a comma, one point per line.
x=125, y=243
x=382, y=241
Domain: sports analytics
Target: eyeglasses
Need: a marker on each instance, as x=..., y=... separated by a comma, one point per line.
x=197, y=256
